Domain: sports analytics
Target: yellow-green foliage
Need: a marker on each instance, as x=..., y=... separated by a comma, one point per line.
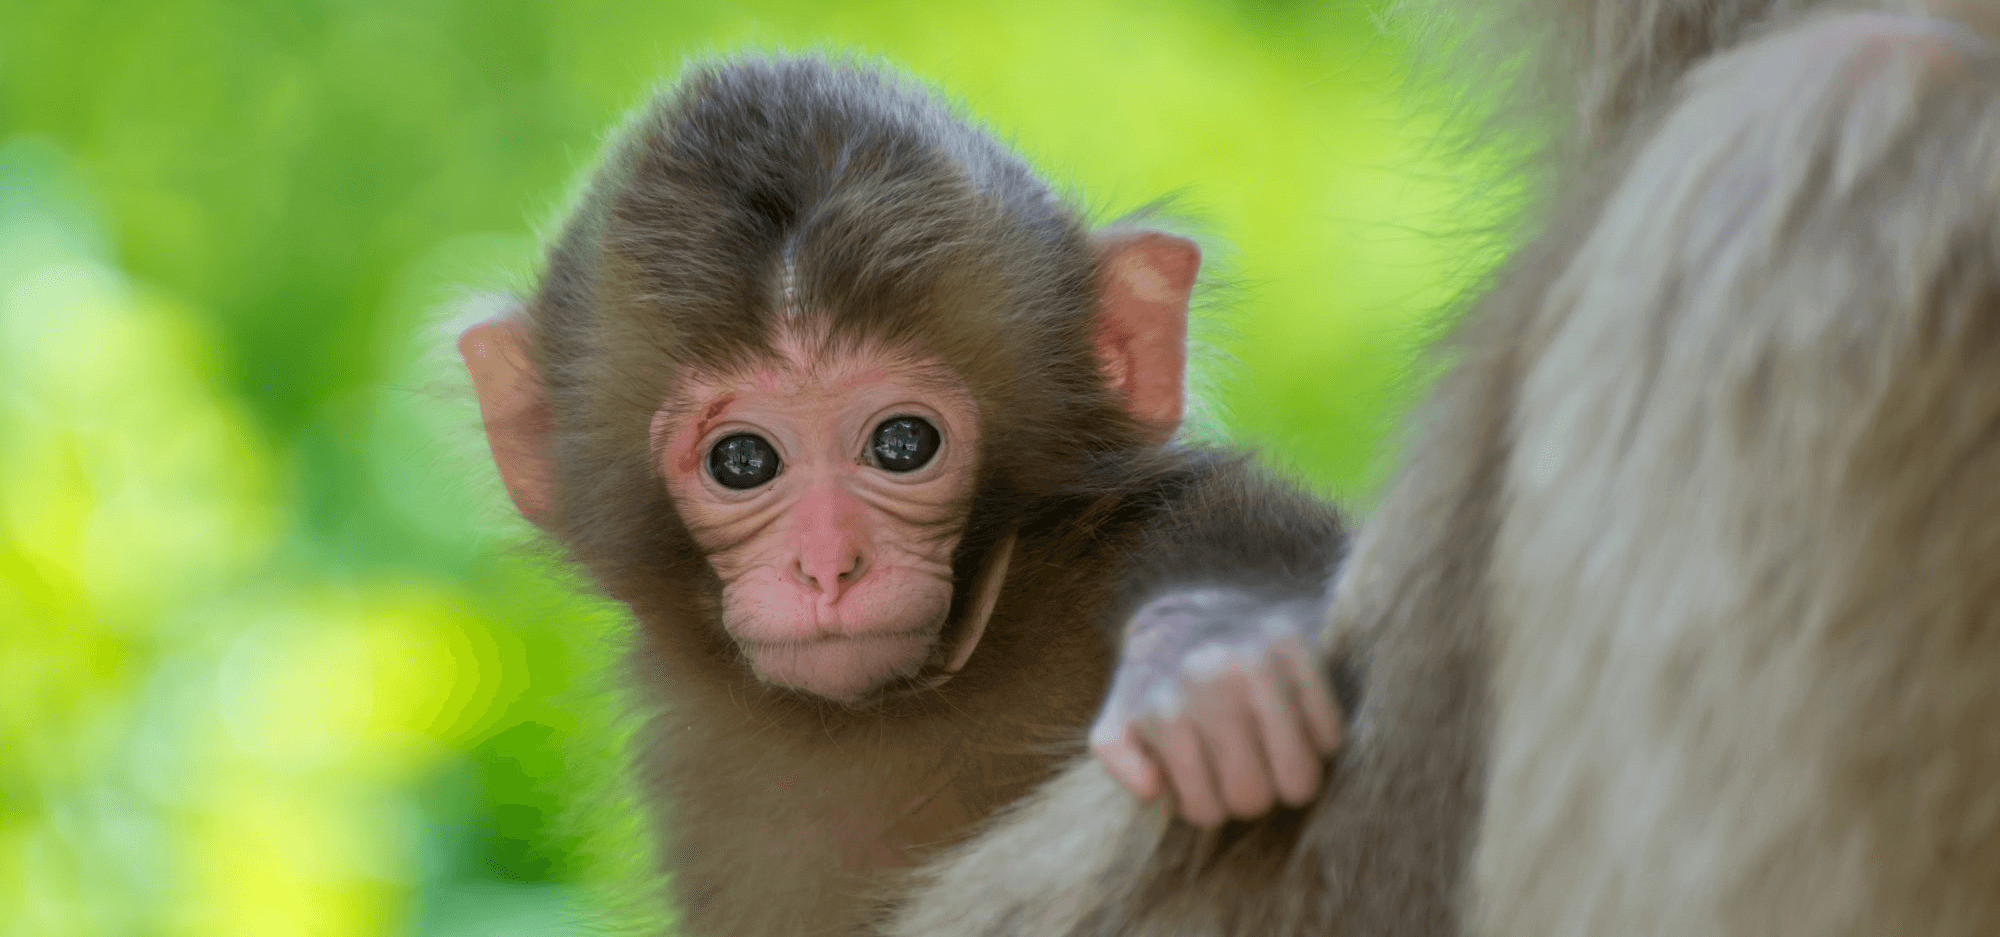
x=267, y=664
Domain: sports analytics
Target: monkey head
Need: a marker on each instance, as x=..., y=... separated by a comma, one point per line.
x=796, y=394
x=830, y=486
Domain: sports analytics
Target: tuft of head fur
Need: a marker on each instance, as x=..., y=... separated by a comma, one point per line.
x=763, y=198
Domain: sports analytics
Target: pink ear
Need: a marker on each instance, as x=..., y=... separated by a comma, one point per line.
x=1144, y=279
x=514, y=410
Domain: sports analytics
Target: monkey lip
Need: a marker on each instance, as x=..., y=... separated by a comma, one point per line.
x=842, y=667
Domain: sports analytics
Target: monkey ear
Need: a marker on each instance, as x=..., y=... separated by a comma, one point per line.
x=514, y=409
x=1144, y=279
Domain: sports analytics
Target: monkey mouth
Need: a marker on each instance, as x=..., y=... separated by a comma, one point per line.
x=853, y=666
x=845, y=667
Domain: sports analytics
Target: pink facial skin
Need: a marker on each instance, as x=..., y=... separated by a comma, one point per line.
x=837, y=572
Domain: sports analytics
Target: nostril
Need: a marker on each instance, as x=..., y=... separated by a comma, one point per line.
x=820, y=577
x=823, y=574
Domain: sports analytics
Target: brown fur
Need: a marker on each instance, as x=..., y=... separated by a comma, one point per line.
x=1684, y=614
x=767, y=189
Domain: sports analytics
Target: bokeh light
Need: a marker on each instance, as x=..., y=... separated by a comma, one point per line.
x=274, y=657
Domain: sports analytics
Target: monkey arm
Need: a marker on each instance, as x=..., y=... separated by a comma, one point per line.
x=1081, y=858
x=1219, y=696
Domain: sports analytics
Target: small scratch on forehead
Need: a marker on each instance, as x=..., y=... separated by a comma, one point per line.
x=713, y=410
x=688, y=420
x=712, y=414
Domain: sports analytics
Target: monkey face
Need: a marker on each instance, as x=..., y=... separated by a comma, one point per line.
x=829, y=491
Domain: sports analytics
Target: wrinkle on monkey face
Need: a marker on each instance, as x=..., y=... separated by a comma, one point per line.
x=837, y=571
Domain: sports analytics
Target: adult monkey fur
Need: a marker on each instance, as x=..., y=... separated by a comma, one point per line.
x=862, y=424
x=1683, y=617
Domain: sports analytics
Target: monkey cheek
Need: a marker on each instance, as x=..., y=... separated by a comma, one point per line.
x=842, y=669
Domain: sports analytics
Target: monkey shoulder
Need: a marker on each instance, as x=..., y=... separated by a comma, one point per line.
x=1216, y=515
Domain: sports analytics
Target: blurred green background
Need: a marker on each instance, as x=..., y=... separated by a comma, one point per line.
x=272, y=661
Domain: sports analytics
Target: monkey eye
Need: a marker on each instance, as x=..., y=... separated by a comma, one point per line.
x=905, y=443
x=742, y=461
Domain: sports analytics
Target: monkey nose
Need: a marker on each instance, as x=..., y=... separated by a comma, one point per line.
x=831, y=573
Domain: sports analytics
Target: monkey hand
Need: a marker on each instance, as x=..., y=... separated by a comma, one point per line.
x=1220, y=698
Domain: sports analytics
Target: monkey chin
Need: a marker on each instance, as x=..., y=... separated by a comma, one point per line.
x=846, y=669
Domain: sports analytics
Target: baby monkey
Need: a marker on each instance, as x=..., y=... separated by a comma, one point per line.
x=872, y=436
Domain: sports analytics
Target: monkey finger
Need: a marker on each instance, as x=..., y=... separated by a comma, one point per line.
x=1221, y=708
x=1179, y=746
x=1316, y=703
x=1116, y=740
x=1129, y=765
x=1294, y=758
